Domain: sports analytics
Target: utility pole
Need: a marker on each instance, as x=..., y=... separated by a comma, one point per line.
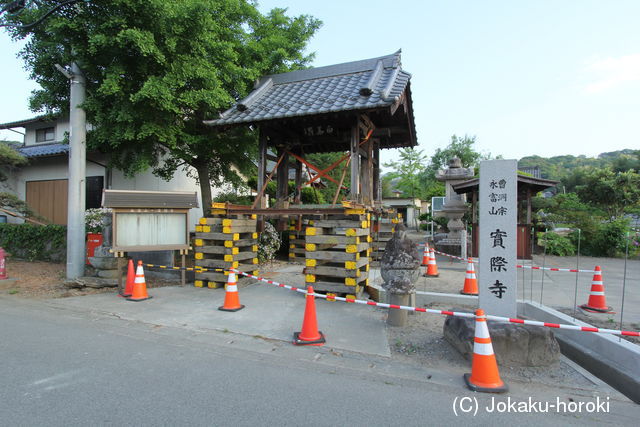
x=77, y=180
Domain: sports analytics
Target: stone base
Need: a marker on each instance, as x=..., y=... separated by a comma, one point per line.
x=108, y=274
x=513, y=345
x=449, y=248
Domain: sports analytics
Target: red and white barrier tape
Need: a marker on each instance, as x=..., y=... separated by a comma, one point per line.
x=570, y=270
x=442, y=312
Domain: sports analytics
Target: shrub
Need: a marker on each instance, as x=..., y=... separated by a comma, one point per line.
x=234, y=198
x=94, y=219
x=607, y=240
x=268, y=243
x=35, y=242
x=557, y=244
x=312, y=196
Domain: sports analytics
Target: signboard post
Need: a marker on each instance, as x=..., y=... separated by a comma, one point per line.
x=497, y=237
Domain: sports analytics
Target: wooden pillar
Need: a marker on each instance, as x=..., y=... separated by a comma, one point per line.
x=355, y=164
x=529, y=216
x=262, y=166
x=282, y=187
x=298, y=197
x=377, y=187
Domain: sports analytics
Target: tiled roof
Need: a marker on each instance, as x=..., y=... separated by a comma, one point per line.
x=359, y=85
x=31, y=151
x=22, y=123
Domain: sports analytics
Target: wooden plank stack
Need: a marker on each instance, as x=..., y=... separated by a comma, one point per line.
x=337, y=250
x=223, y=242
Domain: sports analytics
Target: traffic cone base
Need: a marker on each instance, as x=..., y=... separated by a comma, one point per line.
x=240, y=307
x=298, y=341
x=585, y=307
x=138, y=299
x=500, y=387
x=231, y=297
x=425, y=256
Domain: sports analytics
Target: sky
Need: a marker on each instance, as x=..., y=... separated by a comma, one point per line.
x=527, y=77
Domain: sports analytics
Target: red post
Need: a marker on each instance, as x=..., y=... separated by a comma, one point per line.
x=3, y=270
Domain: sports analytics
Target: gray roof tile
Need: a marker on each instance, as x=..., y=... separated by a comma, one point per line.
x=31, y=151
x=333, y=88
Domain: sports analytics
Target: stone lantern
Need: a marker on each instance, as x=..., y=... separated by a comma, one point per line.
x=454, y=207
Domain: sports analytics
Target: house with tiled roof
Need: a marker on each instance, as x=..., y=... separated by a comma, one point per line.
x=42, y=182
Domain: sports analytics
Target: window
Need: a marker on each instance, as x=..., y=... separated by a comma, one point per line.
x=45, y=134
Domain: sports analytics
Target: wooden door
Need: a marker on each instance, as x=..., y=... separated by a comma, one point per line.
x=49, y=199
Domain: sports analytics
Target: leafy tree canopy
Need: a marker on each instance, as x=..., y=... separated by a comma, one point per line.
x=407, y=171
x=156, y=69
x=613, y=192
x=9, y=157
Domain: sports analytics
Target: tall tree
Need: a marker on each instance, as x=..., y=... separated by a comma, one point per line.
x=9, y=158
x=407, y=171
x=156, y=69
x=613, y=192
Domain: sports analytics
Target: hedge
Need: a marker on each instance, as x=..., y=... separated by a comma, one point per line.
x=35, y=242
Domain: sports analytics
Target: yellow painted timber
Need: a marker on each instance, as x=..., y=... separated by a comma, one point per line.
x=331, y=297
x=198, y=229
x=203, y=220
x=214, y=285
x=254, y=236
x=292, y=255
x=350, y=281
x=310, y=278
x=311, y=247
x=206, y=229
x=369, y=239
x=350, y=265
x=228, y=257
x=253, y=216
x=199, y=255
x=366, y=268
x=354, y=211
x=364, y=224
x=394, y=221
x=350, y=232
x=349, y=296
x=227, y=222
x=310, y=262
x=255, y=260
x=292, y=228
x=311, y=222
x=228, y=244
x=198, y=283
x=198, y=242
x=235, y=251
x=218, y=205
x=254, y=248
x=350, y=249
x=292, y=246
x=218, y=211
x=310, y=231
x=235, y=264
x=292, y=236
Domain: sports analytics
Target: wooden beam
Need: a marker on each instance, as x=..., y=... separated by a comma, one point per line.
x=355, y=163
x=282, y=188
x=377, y=188
x=262, y=169
x=298, y=197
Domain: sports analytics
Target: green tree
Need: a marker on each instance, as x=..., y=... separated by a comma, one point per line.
x=156, y=69
x=613, y=192
x=9, y=158
x=407, y=171
x=463, y=148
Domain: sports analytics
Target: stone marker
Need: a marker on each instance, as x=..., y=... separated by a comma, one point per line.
x=399, y=268
x=497, y=279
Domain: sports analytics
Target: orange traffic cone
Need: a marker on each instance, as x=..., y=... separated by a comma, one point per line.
x=231, y=297
x=432, y=267
x=131, y=276
x=484, y=374
x=309, y=334
x=470, y=280
x=425, y=255
x=597, y=302
x=139, y=292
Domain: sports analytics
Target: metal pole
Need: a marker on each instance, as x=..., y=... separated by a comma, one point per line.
x=531, y=272
x=544, y=263
x=624, y=280
x=522, y=260
x=77, y=171
x=575, y=294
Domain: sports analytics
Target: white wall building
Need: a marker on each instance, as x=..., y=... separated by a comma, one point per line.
x=42, y=183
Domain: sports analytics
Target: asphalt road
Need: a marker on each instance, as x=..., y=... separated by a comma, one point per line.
x=65, y=367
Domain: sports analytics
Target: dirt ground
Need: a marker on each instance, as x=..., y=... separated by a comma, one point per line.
x=42, y=280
